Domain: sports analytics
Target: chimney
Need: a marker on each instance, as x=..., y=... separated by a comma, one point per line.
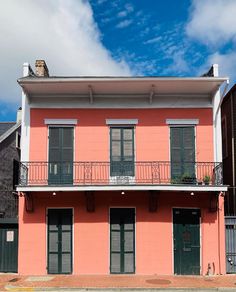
x=19, y=115
x=41, y=68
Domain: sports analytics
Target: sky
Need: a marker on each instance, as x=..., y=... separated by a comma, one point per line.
x=114, y=38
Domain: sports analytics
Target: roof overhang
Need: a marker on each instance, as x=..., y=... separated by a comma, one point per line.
x=126, y=86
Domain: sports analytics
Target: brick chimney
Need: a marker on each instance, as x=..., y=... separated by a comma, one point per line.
x=41, y=68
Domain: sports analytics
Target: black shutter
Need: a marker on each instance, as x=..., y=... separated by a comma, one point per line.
x=182, y=153
x=54, y=167
x=122, y=245
x=59, y=241
x=176, y=152
x=16, y=167
x=67, y=155
x=61, y=155
x=122, y=151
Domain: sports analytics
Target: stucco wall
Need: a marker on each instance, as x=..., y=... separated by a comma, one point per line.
x=154, y=248
x=92, y=133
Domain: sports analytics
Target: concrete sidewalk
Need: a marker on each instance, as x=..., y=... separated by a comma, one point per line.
x=116, y=283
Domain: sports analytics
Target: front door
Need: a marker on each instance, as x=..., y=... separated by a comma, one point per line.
x=60, y=168
x=186, y=241
x=8, y=248
x=60, y=241
x=122, y=240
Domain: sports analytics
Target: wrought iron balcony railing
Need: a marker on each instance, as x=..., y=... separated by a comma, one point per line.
x=119, y=173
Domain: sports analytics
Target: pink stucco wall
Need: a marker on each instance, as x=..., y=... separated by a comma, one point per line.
x=92, y=133
x=154, y=250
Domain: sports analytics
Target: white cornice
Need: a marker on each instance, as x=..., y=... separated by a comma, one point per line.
x=60, y=121
x=182, y=121
x=121, y=121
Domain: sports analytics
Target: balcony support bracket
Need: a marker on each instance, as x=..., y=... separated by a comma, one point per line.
x=29, y=202
x=90, y=201
x=152, y=204
x=214, y=202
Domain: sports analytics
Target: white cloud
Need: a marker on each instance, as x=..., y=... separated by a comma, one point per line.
x=63, y=33
x=128, y=9
x=124, y=23
x=212, y=22
x=153, y=40
x=226, y=64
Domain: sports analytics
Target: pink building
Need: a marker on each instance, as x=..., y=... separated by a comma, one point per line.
x=121, y=175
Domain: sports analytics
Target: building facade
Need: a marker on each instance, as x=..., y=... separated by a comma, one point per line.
x=9, y=166
x=228, y=121
x=121, y=175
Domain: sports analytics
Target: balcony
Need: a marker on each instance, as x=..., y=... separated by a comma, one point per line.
x=77, y=175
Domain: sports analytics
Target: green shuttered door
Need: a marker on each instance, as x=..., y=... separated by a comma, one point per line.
x=59, y=241
x=61, y=155
x=186, y=241
x=122, y=151
x=122, y=237
x=8, y=248
x=182, y=152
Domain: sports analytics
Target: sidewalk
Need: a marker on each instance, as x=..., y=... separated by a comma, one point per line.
x=14, y=282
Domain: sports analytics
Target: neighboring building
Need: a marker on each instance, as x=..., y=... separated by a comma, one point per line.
x=121, y=175
x=228, y=121
x=9, y=166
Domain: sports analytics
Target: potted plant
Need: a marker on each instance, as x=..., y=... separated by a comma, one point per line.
x=187, y=178
x=206, y=179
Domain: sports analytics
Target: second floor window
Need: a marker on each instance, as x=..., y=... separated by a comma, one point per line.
x=182, y=141
x=122, y=151
x=60, y=167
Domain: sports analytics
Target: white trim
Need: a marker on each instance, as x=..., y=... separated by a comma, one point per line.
x=60, y=121
x=182, y=121
x=98, y=79
x=180, y=188
x=25, y=123
x=121, y=121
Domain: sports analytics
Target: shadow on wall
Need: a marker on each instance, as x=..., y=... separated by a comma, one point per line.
x=104, y=200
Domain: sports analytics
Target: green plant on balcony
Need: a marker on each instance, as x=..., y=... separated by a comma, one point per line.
x=187, y=178
x=206, y=179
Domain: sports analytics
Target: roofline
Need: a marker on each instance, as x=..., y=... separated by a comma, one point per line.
x=231, y=90
x=28, y=80
x=9, y=132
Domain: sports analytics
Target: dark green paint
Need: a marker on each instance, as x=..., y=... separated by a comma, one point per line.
x=60, y=155
x=122, y=223
x=59, y=241
x=186, y=241
x=182, y=154
x=8, y=248
x=122, y=165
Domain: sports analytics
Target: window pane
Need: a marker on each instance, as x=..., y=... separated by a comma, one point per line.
x=67, y=137
x=128, y=134
x=116, y=149
x=115, y=134
x=128, y=148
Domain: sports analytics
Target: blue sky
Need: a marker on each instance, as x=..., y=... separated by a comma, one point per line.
x=104, y=37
